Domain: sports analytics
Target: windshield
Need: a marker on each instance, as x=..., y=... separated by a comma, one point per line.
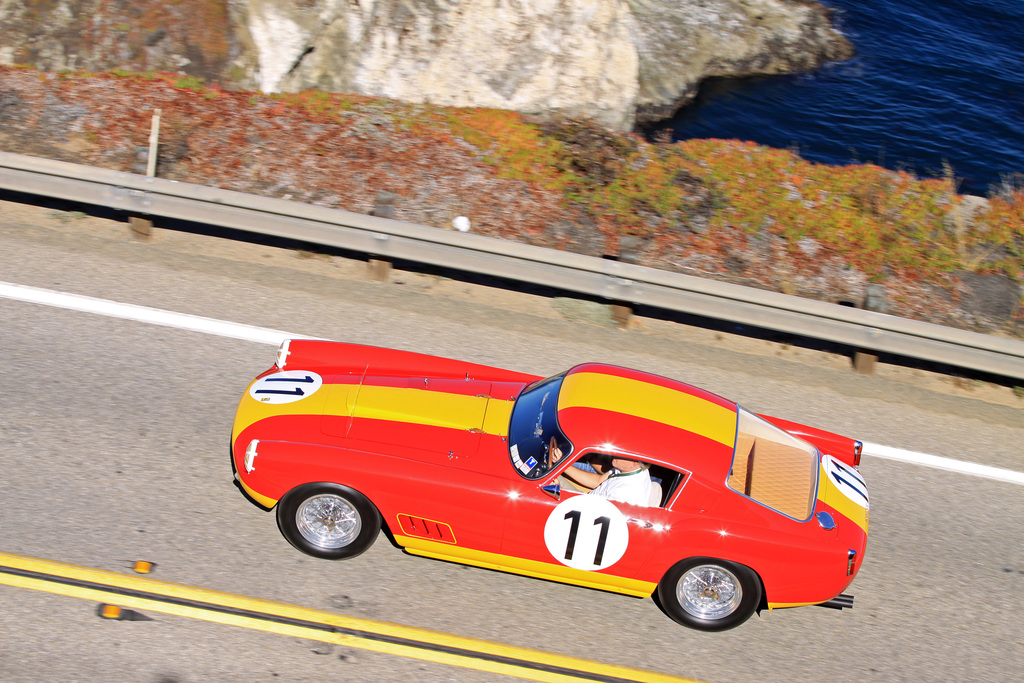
x=534, y=423
x=774, y=467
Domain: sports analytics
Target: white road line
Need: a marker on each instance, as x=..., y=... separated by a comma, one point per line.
x=144, y=314
x=195, y=323
x=940, y=463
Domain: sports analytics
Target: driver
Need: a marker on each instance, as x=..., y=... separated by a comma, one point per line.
x=627, y=480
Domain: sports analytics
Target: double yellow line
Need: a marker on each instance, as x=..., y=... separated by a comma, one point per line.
x=263, y=615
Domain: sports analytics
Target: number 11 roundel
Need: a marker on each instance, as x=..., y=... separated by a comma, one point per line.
x=586, y=532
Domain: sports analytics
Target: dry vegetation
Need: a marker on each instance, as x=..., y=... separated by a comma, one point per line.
x=717, y=208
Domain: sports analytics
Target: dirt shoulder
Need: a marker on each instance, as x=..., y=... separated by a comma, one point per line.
x=556, y=316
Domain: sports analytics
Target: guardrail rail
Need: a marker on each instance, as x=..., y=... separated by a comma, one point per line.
x=613, y=280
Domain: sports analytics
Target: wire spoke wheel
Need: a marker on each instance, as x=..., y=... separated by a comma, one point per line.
x=328, y=521
x=709, y=592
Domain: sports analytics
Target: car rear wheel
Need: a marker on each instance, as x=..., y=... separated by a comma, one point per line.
x=330, y=521
x=709, y=594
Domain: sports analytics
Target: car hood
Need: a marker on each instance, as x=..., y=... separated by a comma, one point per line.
x=420, y=418
x=443, y=420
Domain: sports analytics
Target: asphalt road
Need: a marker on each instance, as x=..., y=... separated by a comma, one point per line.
x=113, y=448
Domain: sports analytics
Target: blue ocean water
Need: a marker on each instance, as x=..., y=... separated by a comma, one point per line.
x=932, y=81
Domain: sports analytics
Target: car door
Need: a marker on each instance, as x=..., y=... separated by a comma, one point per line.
x=427, y=441
x=582, y=538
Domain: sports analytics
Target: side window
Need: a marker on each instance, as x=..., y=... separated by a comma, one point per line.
x=666, y=480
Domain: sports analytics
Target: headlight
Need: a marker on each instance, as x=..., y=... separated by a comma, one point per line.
x=250, y=455
x=282, y=353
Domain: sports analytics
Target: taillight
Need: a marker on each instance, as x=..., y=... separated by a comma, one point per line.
x=858, y=446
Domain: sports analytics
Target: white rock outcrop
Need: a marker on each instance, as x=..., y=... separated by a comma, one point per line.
x=609, y=59
x=574, y=56
x=617, y=61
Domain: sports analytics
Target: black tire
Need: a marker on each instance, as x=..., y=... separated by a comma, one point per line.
x=329, y=521
x=709, y=594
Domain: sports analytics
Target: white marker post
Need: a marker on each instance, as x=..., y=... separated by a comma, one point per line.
x=154, y=138
x=141, y=225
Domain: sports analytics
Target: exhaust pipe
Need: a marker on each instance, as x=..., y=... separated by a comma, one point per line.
x=841, y=601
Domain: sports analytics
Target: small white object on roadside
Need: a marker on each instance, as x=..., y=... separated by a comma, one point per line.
x=461, y=223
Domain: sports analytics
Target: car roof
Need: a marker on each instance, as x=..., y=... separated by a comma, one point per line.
x=617, y=410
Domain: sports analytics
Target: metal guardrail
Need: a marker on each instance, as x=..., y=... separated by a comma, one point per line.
x=613, y=280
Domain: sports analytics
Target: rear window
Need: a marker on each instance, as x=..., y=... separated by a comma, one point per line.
x=774, y=467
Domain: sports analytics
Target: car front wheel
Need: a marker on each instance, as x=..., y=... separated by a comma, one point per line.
x=330, y=521
x=709, y=594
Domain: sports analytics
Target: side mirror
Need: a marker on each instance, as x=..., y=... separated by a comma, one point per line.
x=553, y=490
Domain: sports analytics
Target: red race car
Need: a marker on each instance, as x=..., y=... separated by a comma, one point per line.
x=600, y=477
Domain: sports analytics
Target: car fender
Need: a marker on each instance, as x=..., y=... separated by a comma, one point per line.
x=819, y=573
x=398, y=487
x=268, y=469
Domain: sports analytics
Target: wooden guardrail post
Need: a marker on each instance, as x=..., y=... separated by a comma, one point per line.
x=141, y=225
x=864, y=360
x=622, y=311
x=380, y=268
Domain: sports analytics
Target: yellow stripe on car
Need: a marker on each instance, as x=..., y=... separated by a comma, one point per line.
x=829, y=494
x=251, y=411
x=259, y=498
x=650, y=401
x=784, y=605
x=415, y=406
x=497, y=417
x=518, y=565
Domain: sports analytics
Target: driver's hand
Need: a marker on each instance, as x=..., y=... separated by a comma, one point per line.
x=554, y=452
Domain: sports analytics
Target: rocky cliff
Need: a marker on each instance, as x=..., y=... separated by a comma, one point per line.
x=618, y=61
x=194, y=37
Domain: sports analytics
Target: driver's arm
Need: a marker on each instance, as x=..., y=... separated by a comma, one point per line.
x=589, y=480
